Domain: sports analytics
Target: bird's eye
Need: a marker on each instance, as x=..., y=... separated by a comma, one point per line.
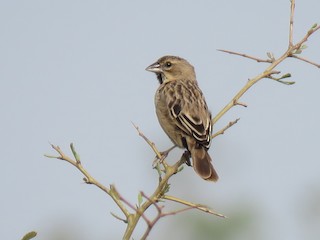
x=168, y=64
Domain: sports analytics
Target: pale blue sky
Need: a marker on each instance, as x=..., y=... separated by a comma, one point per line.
x=73, y=71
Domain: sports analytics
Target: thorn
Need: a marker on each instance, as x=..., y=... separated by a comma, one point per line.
x=119, y=218
x=235, y=102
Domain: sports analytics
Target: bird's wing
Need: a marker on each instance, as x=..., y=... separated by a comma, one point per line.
x=193, y=118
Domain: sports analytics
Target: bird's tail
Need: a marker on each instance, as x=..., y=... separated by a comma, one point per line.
x=202, y=164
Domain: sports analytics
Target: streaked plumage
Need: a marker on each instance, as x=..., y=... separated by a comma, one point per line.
x=182, y=111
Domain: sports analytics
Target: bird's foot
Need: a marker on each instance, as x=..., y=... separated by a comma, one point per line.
x=163, y=155
x=186, y=155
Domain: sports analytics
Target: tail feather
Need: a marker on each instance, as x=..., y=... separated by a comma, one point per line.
x=202, y=164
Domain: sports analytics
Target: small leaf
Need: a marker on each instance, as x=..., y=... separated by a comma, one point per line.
x=286, y=76
x=286, y=83
x=314, y=25
x=140, y=199
x=50, y=156
x=119, y=218
x=75, y=154
x=180, y=169
x=303, y=47
x=167, y=188
x=85, y=180
x=298, y=51
x=270, y=55
x=29, y=235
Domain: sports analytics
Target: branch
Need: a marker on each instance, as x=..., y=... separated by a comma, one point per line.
x=159, y=194
x=163, y=187
x=306, y=60
x=162, y=214
x=246, y=56
x=220, y=132
x=151, y=144
x=136, y=209
x=165, y=170
x=269, y=71
x=88, y=178
x=291, y=23
x=133, y=218
x=193, y=205
x=160, y=156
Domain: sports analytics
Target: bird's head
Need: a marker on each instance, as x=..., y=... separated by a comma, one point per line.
x=170, y=68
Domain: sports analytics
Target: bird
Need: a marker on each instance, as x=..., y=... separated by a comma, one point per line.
x=183, y=113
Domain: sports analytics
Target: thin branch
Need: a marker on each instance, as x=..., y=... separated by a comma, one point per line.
x=160, y=215
x=270, y=69
x=239, y=103
x=304, y=39
x=155, y=220
x=306, y=60
x=88, y=178
x=193, y=205
x=159, y=155
x=119, y=218
x=220, y=132
x=162, y=188
x=136, y=209
x=151, y=144
x=246, y=56
x=291, y=23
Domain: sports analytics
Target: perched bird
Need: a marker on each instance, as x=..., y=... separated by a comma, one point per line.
x=183, y=113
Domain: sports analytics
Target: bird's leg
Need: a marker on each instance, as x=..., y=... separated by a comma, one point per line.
x=186, y=155
x=163, y=154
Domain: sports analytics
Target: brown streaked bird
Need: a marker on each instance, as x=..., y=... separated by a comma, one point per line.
x=183, y=113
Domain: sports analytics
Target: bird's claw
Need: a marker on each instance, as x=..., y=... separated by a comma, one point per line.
x=163, y=156
x=186, y=155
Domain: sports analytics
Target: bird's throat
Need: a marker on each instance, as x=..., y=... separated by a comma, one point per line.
x=160, y=77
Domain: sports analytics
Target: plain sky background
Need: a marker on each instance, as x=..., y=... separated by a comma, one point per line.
x=74, y=71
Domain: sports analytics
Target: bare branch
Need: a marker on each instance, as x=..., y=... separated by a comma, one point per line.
x=246, y=56
x=119, y=218
x=162, y=188
x=159, y=155
x=161, y=214
x=220, y=132
x=151, y=144
x=306, y=60
x=239, y=103
x=136, y=209
x=88, y=178
x=193, y=205
x=291, y=23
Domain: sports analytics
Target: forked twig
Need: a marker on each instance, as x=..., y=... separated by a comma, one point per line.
x=88, y=178
x=292, y=50
x=161, y=214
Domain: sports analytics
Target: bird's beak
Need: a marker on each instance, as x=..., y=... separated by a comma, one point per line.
x=155, y=67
